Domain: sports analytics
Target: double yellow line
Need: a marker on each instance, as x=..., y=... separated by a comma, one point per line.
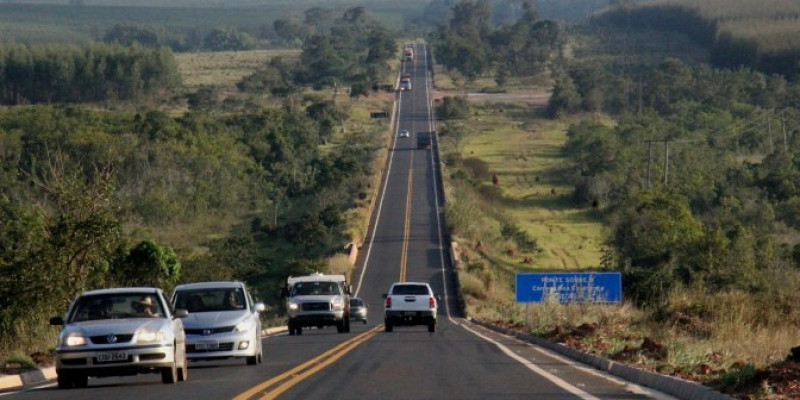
x=273, y=388
x=406, y=231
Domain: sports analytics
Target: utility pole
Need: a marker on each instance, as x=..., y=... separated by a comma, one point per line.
x=666, y=162
x=783, y=125
x=649, y=157
x=769, y=133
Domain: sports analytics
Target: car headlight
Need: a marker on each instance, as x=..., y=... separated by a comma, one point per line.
x=337, y=304
x=74, y=339
x=148, y=335
x=294, y=306
x=243, y=326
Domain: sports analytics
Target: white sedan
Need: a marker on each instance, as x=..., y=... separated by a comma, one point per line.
x=223, y=321
x=404, y=134
x=123, y=331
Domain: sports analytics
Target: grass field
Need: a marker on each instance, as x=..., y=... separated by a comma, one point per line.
x=527, y=160
x=224, y=69
x=525, y=153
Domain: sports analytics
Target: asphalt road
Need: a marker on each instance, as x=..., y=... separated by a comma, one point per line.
x=459, y=361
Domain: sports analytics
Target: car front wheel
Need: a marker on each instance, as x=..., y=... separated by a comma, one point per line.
x=65, y=380
x=170, y=374
x=183, y=373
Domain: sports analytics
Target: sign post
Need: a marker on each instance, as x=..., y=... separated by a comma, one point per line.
x=588, y=287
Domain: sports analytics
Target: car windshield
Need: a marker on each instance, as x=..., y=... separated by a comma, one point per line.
x=210, y=300
x=410, y=289
x=316, y=288
x=117, y=305
x=356, y=303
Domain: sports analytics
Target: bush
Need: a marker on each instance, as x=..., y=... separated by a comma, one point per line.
x=524, y=241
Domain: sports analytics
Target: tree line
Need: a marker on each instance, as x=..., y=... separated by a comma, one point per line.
x=96, y=72
x=700, y=174
x=728, y=48
x=473, y=46
x=338, y=50
x=80, y=189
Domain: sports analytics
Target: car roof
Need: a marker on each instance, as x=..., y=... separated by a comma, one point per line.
x=121, y=290
x=209, y=285
x=409, y=283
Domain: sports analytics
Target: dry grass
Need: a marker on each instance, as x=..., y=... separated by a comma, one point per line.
x=697, y=330
x=526, y=156
x=223, y=69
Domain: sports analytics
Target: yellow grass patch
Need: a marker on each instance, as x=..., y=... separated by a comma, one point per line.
x=526, y=157
x=224, y=68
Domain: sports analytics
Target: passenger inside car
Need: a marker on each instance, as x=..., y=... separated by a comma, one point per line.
x=145, y=308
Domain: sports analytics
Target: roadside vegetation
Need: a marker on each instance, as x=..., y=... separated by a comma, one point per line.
x=241, y=182
x=709, y=247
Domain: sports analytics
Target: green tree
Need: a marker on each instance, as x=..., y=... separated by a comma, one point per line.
x=148, y=264
x=651, y=236
x=222, y=39
x=565, y=98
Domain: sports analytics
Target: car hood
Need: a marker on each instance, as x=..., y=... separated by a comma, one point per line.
x=117, y=326
x=213, y=319
x=315, y=298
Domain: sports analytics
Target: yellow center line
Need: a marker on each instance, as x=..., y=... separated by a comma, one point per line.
x=302, y=371
x=406, y=231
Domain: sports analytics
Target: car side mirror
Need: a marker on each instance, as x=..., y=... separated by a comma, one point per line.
x=349, y=289
x=181, y=313
x=260, y=307
x=284, y=292
x=384, y=296
x=57, y=321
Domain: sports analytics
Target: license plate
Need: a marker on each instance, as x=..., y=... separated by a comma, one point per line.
x=112, y=356
x=206, y=346
x=410, y=313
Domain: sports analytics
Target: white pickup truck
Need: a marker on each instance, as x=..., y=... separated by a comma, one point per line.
x=410, y=303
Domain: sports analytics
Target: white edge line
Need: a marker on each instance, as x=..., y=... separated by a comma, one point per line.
x=428, y=87
x=535, y=368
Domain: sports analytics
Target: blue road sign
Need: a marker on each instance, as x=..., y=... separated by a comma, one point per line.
x=596, y=287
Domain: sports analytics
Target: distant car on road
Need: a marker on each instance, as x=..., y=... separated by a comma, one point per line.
x=410, y=303
x=424, y=140
x=358, y=310
x=404, y=134
x=223, y=321
x=116, y=332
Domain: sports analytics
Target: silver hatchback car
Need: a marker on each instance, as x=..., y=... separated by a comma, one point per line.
x=223, y=321
x=358, y=309
x=124, y=331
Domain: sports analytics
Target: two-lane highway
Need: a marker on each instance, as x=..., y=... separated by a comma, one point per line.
x=405, y=242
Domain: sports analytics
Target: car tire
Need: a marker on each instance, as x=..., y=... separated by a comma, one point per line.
x=80, y=380
x=298, y=330
x=365, y=322
x=183, y=372
x=169, y=375
x=252, y=360
x=291, y=328
x=347, y=325
x=340, y=326
x=388, y=326
x=432, y=326
x=65, y=380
